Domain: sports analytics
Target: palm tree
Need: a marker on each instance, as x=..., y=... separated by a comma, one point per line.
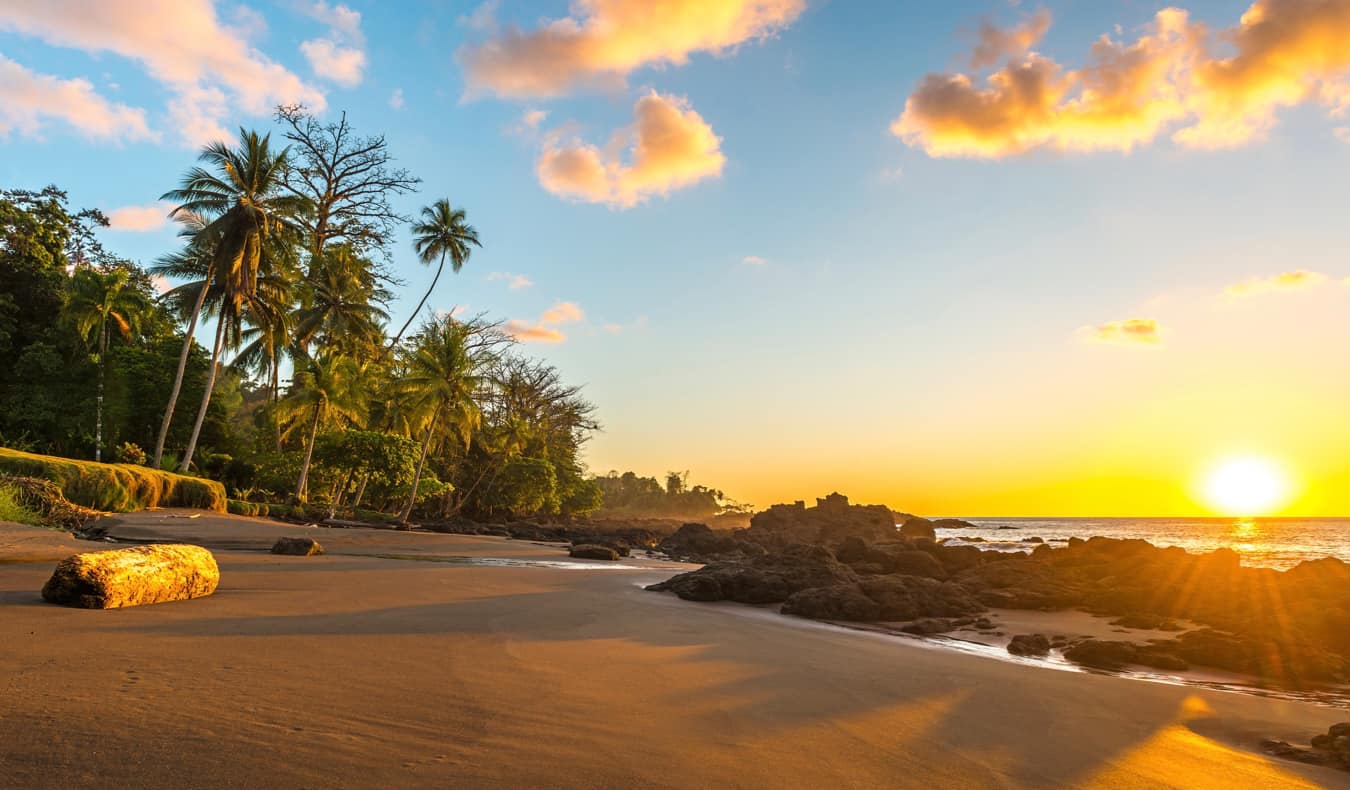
x=191, y=261
x=444, y=377
x=243, y=199
x=341, y=309
x=101, y=301
x=326, y=387
x=443, y=232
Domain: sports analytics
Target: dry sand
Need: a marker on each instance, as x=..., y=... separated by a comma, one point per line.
x=362, y=671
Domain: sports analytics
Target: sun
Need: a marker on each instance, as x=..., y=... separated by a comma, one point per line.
x=1246, y=486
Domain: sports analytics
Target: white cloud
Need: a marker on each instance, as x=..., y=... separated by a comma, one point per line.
x=139, y=219
x=753, y=260
x=28, y=100
x=340, y=56
x=396, y=99
x=513, y=281
x=545, y=330
x=210, y=70
x=671, y=147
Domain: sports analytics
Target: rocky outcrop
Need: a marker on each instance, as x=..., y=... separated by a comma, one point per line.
x=133, y=577
x=590, y=551
x=770, y=578
x=1105, y=654
x=918, y=527
x=829, y=523
x=297, y=547
x=883, y=598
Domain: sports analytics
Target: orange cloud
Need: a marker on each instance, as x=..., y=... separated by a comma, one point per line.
x=604, y=40
x=1285, y=52
x=545, y=329
x=671, y=147
x=993, y=43
x=1285, y=281
x=29, y=99
x=210, y=69
x=139, y=219
x=1131, y=331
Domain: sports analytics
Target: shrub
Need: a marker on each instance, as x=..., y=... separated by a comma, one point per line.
x=240, y=508
x=131, y=453
x=115, y=487
x=13, y=509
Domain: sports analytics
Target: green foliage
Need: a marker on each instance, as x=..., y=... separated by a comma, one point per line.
x=629, y=495
x=131, y=453
x=525, y=485
x=115, y=487
x=13, y=509
x=241, y=508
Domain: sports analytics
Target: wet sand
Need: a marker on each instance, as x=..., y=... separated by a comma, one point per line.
x=355, y=670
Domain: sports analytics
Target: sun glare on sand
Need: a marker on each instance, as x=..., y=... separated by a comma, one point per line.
x=1246, y=486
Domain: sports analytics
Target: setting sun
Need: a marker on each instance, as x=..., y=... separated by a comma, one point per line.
x=1246, y=486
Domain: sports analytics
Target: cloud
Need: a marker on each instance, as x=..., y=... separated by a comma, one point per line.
x=340, y=56
x=532, y=118
x=753, y=260
x=1285, y=281
x=670, y=147
x=604, y=40
x=139, y=219
x=210, y=70
x=615, y=328
x=1131, y=331
x=396, y=99
x=1343, y=133
x=993, y=43
x=1280, y=54
x=28, y=100
x=513, y=281
x=545, y=329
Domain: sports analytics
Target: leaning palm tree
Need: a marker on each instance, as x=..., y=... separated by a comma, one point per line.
x=444, y=378
x=328, y=387
x=193, y=261
x=443, y=233
x=103, y=302
x=243, y=197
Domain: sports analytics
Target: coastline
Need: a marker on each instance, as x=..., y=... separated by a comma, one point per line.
x=348, y=670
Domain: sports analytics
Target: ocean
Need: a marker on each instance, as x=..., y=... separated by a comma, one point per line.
x=1263, y=542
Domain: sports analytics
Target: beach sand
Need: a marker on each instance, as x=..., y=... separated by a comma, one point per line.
x=354, y=670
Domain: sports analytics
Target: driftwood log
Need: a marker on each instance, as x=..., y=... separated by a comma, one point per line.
x=132, y=577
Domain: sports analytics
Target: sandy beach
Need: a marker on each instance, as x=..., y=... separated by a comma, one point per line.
x=420, y=668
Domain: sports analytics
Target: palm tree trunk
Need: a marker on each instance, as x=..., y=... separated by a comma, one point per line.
x=98, y=410
x=417, y=477
x=360, y=492
x=206, y=396
x=420, y=304
x=276, y=397
x=182, y=368
x=302, y=485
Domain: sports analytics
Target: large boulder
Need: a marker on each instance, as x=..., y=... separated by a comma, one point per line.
x=885, y=598
x=917, y=563
x=297, y=547
x=1029, y=645
x=918, y=527
x=840, y=602
x=133, y=577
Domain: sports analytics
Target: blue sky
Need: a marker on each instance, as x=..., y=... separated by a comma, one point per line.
x=915, y=327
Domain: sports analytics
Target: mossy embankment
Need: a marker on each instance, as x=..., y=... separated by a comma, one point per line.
x=115, y=487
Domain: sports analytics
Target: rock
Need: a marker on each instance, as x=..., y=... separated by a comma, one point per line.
x=829, y=523
x=913, y=597
x=299, y=547
x=917, y=563
x=840, y=602
x=1029, y=645
x=852, y=549
x=1033, y=540
x=590, y=551
x=952, y=523
x=617, y=547
x=133, y=577
x=1151, y=622
x=770, y=578
x=929, y=626
x=1290, y=752
x=917, y=527
x=1101, y=654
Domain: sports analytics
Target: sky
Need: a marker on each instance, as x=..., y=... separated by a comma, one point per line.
x=963, y=258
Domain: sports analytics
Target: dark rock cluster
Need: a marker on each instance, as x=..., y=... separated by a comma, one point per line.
x=1330, y=748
